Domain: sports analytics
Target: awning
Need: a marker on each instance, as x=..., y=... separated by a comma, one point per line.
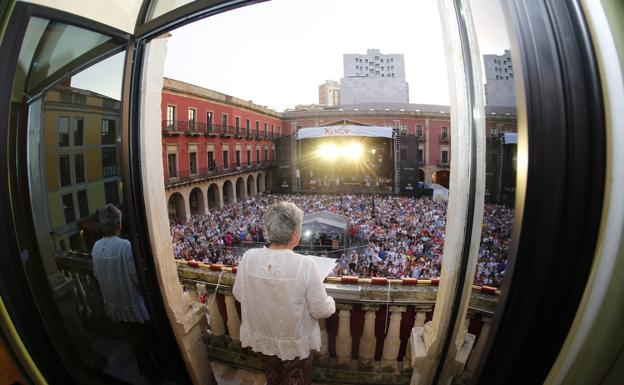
x=344, y=130
x=325, y=222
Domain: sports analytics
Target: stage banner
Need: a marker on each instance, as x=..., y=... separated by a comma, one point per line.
x=344, y=130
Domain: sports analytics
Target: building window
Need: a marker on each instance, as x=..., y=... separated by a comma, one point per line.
x=172, y=164
x=211, y=161
x=65, y=170
x=248, y=157
x=444, y=132
x=445, y=159
x=109, y=162
x=238, y=158
x=257, y=155
x=111, y=192
x=171, y=115
x=78, y=132
x=193, y=162
x=266, y=130
x=66, y=97
x=237, y=124
x=80, y=99
x=266, y=154
x=209, y=120
x=191, y=118
x=419, y=130
x=420, y=155
x=272, y=129
x=68, y=208
x=83, y=204
x=109, y=134
x=63, y=131
x=226, y=164
x=248, y=126
x=79, y=168
x=224, y=122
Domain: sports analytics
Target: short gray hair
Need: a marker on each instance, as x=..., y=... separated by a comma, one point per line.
x=110, y=219
x=281, y=220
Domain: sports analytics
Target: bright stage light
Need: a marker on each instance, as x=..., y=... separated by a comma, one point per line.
x=328, y=151
x=307, y=234
x=353, y=151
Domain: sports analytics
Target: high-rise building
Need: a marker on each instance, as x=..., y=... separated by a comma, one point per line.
x=499, y=77
x=329, y=93
x=373, y=77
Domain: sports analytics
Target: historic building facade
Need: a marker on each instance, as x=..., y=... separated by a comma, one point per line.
x=218, y=149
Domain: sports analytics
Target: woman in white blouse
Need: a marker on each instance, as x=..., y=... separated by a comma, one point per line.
x=282, y=296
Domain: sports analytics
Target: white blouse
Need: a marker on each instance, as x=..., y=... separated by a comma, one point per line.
x=282, y=296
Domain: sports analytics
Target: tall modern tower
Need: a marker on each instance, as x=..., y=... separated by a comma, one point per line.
x=373, y=77
x=499, y=77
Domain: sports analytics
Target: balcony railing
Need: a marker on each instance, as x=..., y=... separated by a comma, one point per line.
x=354, y=350
x=444, y=138
x=372, y=357
x=185, y=176
x=420, y=137
x=173, y=127
x=442, y=164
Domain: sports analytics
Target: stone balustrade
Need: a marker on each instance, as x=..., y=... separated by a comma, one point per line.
x=366, y=341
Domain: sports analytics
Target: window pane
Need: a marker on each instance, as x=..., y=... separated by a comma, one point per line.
x=65, y=170
x=63, y=44
x=78, y=131
x=109, y=134
x=68, y=208
x=79, y=168
x=109, y=162
x=111, y=192
x=63, y=131
x=173, y=166
x=83, y=203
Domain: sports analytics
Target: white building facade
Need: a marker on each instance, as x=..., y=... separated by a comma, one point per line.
x=499, y=77
x=373, y=77
x=329, y=93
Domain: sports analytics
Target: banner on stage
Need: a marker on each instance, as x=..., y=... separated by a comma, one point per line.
x=344, y=130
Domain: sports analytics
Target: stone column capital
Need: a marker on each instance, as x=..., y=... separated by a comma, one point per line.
x=370, y=307
x=398, y=309
x=344, y=306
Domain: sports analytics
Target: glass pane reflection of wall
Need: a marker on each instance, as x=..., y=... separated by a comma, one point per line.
x=73, y=152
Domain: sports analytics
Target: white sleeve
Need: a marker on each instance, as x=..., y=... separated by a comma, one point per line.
x=321, y=305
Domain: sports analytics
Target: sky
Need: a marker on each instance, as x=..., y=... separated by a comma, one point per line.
x=278, y=52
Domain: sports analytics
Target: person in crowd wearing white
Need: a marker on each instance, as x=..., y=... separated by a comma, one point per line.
x=282, y=296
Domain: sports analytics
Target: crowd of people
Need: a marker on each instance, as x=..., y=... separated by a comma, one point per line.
x=389, y=236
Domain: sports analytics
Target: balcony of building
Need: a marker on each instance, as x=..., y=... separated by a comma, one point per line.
x=444, y=138
x=216, y=170
x=367, y=340
x=443, y=164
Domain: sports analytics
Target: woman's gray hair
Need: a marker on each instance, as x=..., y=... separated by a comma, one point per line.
x=281, y=220
x=110, y=219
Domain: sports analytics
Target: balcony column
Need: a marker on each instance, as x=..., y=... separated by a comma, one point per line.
x=368, y=341
x=462, y=347
x=475, y=356
x=216, y=320
x=343, y=339
x=393, y=338
x=233, y=321
x=421, y=316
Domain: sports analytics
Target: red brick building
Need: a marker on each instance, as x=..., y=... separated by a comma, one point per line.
x=218, y=148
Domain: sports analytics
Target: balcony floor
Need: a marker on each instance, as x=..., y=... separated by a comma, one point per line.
x=227, y=375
